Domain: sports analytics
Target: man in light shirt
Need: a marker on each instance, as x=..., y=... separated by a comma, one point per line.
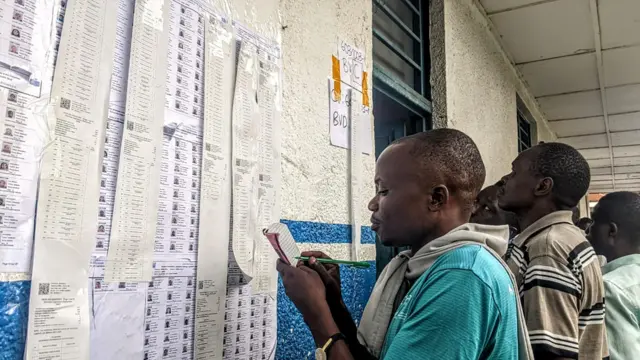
x=615, y=234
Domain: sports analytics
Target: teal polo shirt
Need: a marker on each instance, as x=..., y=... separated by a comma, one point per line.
x=462, y=307
x=622, y=298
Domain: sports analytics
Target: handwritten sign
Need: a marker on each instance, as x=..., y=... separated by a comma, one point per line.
x=340, y=120
x=339, y=116
x=351, y=64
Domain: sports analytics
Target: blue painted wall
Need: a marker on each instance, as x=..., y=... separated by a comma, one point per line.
x=294, y=338
x=14, y=312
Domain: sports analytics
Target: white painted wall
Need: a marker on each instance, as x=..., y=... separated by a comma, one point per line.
x=315, y=183
x=479, y=93
x=315, y=175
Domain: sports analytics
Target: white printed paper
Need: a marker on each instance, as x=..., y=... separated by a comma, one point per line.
x=256, y=162
x=100, y=309
x=69, y=184
x=117, y=317
x=215, y=197
x=365, y=132
x=250, y=317
x=25, y=39
x=115, y=125
x=22, y=144
x=25, y=72
x=180, y=170
x=136, y=206
x=169, y=312
x=246, y=124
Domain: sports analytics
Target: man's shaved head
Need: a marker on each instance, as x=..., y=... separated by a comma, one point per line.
x=615, y=231
x=425, y=186
x=452, y=155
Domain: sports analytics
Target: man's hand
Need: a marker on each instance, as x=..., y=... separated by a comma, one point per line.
x=307, y=292
x=329, y=273
x=304, y=287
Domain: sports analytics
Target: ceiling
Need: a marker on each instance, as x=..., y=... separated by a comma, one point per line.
x=581, y=60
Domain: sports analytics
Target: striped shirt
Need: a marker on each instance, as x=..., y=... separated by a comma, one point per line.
x=561, y=289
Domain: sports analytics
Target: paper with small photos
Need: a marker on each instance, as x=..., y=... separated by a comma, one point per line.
x=59, y=316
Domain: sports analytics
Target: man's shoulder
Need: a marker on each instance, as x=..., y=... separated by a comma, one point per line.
x=624, y=277
x=464, y=257
x=564, y=242
x=479, y=263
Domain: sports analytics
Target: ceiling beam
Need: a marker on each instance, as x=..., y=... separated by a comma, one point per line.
x=595, y=22
x=518, y=7
x=585, y=90
x=578, y=53
x=595, y=116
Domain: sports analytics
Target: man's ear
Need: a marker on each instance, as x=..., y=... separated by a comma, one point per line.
x=613, y=233
x=439, y=197
x=544, y=186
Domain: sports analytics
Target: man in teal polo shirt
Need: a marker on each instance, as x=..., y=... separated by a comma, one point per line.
x=450, y=296
x=615, y=234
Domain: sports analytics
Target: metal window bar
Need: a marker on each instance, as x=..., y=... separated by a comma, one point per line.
x=392, y=15
x=412, y=7
x=396, y=50
x=425, y=60
x=418, y=61
x=524, y=133
x=399, y=91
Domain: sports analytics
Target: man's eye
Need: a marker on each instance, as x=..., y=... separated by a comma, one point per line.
x=486, y=208
x=383, y=192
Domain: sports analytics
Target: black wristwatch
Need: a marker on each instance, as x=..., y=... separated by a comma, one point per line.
x=321, y=353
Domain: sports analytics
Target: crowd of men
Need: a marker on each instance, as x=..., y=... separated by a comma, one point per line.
x=498, y=273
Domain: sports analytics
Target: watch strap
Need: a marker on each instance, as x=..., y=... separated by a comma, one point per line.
x=332, y=340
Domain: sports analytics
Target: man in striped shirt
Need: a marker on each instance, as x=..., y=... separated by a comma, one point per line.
x=556, y=269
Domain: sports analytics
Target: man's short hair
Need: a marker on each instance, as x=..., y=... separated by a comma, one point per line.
x=568, y=169
x=621, y=208
x=455, y=157
x=584, y=223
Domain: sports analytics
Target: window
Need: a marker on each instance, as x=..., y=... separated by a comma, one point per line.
x=401, y=65
x=401, y=69
x=524, y=132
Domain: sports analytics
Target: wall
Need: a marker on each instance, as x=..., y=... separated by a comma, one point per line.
x=315, y=188
x=315, y=183
x=475, y=85
x=583, y=205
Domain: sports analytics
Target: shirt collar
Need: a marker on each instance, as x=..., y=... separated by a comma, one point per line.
x=619, y=262
x=553, y=218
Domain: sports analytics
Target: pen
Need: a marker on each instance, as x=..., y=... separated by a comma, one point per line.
x=356, y=264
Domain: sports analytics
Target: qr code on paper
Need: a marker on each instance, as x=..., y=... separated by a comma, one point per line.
x=65, y=103
x=43, y=289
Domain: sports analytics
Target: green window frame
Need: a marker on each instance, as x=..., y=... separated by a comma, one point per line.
x=401, y=79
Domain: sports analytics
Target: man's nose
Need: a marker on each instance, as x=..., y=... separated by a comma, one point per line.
x=373, y=204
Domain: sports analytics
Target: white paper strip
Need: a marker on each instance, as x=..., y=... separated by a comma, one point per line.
x=135, y=211
x=215, y=191
x=70, y=183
